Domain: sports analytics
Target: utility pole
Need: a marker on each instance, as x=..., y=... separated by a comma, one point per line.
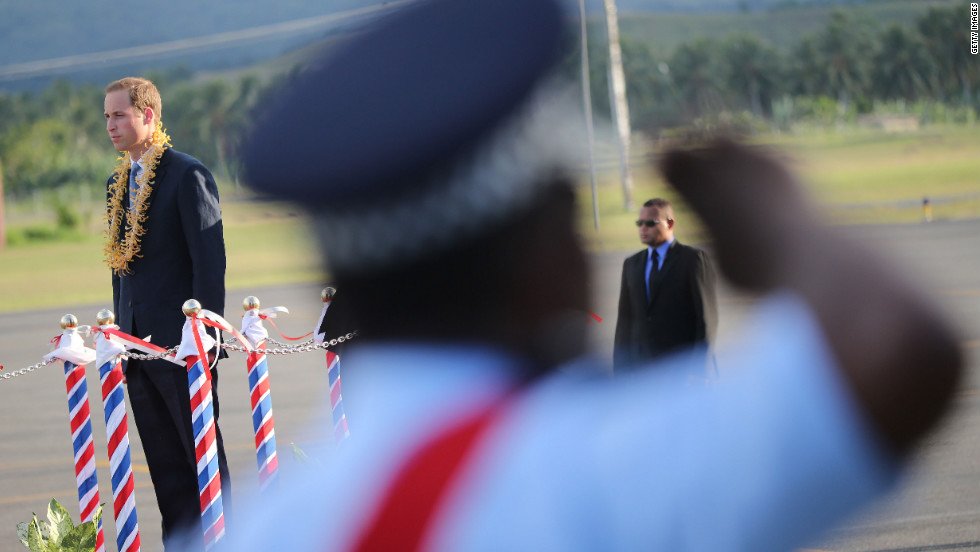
x=621, y=111
x=587, y=105
x=3, y=224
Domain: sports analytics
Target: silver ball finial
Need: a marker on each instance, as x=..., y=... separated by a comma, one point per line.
x=192, y=307
x=251, y=302
x=105, y=316
x=69, y=322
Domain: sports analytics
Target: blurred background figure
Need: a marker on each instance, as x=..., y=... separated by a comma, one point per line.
x=433, y=152
x=667, y=298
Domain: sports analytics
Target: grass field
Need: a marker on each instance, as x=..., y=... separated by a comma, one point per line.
x=267, y=244
x=856, y=176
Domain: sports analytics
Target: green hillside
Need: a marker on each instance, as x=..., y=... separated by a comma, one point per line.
x=43, y=30
x=781, y=27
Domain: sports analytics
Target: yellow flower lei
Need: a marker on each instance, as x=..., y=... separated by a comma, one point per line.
x=120, y=251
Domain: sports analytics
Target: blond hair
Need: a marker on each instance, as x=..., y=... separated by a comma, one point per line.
x=142, y=93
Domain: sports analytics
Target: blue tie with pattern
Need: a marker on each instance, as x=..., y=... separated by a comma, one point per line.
x=133, y=188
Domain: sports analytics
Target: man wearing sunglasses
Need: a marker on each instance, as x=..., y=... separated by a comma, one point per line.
x=667, y=295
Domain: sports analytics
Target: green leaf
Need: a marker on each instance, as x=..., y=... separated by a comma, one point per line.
x=97, y=516
x=80, y=539
x=301, y=457
x=298, y=454
x=43, y=528
x=22, y=532
x=61, y=522
x=34, y=539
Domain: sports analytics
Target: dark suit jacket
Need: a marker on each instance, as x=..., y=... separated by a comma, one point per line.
x=182, y=257
x=182, y=253
x=339, y=319
x=682, y=312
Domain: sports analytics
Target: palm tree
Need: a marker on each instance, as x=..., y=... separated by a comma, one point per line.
x=948, y=44
x=902, y=68
x=808, y=68
x=696, y=69
x=845, y=44
x=753, y=70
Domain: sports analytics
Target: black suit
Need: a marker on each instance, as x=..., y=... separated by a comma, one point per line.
x=182, y=256
x=338, y=321
x=682, y=311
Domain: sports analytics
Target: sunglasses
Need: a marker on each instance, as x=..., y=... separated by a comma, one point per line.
x=650, y=223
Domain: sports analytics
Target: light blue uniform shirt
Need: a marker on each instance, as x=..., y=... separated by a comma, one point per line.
x=764, y=460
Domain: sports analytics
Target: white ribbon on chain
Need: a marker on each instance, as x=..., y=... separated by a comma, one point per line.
x=71, y=347
x=107, y=348
x=188, y=346
x=252, y=326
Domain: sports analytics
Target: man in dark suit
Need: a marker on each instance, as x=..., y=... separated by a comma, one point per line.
x=165, y=245
x=667, y=296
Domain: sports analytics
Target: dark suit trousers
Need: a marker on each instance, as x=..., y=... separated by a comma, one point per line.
x=158, y=392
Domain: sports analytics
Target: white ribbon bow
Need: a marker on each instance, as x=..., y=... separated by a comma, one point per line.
x=71, y=347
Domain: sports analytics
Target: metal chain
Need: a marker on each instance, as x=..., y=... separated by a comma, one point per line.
x=284, y=349
x=27, y=370
x=169, y=352
x=230, y=345
x=288, y=345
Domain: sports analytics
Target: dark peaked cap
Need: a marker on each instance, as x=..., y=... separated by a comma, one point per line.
x=425, y=130
x=421, y=87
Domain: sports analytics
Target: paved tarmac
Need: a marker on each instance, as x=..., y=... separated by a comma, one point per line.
x=936, y=507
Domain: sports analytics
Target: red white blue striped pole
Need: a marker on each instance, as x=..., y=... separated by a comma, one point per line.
x=263, y=424
x=75, y=355
x=340, y=429
x=117, y=432
x=260, y=392
x=202, y=420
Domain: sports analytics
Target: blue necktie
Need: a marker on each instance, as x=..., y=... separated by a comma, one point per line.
x=133, y=188
x=654, y=262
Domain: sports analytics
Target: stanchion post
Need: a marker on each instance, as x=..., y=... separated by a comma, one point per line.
x=79, y=418
x=260, y=392
x=117, y=434
x=205, y=441
x=340, y=428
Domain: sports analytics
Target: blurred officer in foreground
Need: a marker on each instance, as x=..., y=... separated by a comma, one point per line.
x=431, y=157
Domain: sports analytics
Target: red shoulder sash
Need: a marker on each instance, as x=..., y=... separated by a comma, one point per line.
x=406, y=513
